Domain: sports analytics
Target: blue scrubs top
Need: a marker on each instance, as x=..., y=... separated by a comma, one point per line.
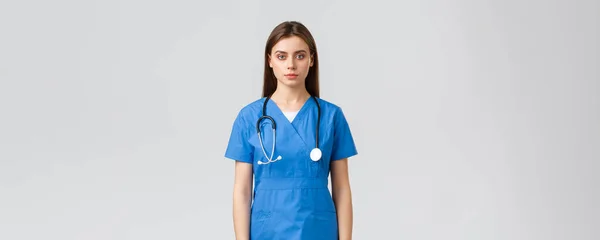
x=291, y=199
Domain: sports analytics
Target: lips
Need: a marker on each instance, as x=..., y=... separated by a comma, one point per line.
x=291, y=76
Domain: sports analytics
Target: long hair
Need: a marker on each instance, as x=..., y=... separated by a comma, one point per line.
x=288, y=29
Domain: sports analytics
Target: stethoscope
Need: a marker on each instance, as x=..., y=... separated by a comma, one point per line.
x=315, y=153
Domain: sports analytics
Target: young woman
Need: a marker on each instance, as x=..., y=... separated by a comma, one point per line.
x=289, y=142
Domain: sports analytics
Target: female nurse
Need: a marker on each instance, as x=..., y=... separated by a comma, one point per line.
x=286, y=145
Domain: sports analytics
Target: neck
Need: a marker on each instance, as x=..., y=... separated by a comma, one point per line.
x=287, y=95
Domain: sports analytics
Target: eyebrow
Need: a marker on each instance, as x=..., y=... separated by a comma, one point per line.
x=299, y=51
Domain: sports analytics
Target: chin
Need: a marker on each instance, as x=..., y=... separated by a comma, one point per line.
x=292, y=83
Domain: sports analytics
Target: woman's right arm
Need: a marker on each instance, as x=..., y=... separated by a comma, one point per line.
x=242, y=200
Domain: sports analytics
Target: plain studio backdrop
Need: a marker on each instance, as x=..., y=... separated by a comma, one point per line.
x=473, y=119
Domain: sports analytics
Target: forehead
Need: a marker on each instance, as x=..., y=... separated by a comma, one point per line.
x=290, y=45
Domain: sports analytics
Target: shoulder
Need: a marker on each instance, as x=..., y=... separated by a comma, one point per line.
x=327, y=104
x=330, y=107
x=248, y=111
x=333, y=112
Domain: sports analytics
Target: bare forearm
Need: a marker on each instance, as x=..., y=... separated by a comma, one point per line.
x=241, y=214
x=343, y=203
x=242, y=198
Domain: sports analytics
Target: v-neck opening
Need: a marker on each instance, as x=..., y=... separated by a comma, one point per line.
x=299, y=112
x=296, y=127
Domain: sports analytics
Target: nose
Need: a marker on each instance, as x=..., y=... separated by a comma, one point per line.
x=291, y=64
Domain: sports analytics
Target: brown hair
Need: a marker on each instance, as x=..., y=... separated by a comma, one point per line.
x=289, y=29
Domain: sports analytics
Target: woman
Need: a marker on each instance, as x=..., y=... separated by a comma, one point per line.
x=288, y=155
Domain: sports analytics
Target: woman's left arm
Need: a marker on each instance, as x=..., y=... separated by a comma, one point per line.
x=342, y=197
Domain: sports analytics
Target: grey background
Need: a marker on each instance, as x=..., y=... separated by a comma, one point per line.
x=473, y=119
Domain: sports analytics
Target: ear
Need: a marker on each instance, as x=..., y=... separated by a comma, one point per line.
x=269, y=59
x=312, y=60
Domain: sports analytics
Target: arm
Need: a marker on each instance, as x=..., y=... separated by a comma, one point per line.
x=342, y=197
x=242, y=199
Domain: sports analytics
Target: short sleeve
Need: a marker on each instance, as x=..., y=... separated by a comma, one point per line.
x=343, y=142
x=238, y=147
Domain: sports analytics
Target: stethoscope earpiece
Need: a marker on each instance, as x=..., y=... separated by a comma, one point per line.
x=269, y=160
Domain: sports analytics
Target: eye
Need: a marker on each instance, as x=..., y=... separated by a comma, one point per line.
x=300, y=56
x=280, y=57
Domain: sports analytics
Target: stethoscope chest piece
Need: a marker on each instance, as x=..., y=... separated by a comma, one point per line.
x=315, y=154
